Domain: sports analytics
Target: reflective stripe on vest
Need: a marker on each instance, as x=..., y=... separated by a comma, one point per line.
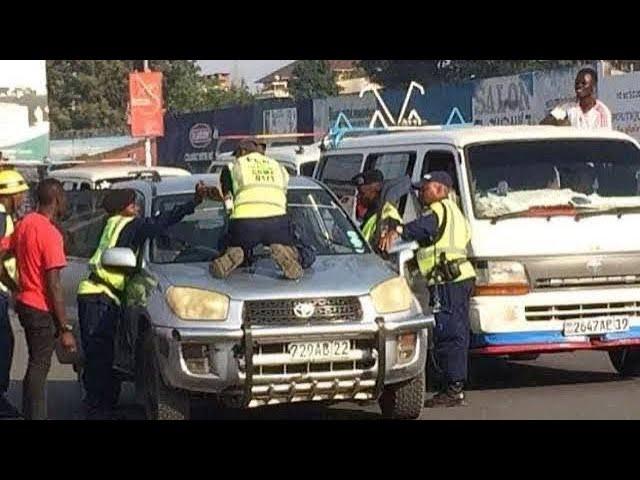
x=453, y=242
x=112, y=282
x=259, y=187
x=388, y=211
x=10, y=263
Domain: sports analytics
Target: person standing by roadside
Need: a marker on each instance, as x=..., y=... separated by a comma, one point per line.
x=39, y=250
x=587, y=112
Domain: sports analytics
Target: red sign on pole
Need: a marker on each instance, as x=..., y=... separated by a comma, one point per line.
x=147, y=114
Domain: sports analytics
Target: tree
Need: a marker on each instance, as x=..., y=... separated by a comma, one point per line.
x=399, y=73
x=93, y=94
x=313, y=79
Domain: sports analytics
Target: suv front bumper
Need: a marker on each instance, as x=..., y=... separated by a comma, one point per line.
x=239, y=364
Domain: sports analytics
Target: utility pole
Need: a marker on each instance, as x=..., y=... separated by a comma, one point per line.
x=147, y=140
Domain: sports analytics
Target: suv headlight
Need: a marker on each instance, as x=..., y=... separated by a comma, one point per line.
x=501, y=278
x=392, y=296
x=195, y=304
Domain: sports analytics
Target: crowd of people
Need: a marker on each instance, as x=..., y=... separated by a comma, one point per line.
x=254, y=191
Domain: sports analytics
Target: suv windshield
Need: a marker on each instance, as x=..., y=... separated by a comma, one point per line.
x=513, y=177
x=319, y=223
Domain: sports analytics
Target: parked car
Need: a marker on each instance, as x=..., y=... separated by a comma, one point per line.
x=297, y=159
x=348, y=330
x=99, y=177
x=550, y=210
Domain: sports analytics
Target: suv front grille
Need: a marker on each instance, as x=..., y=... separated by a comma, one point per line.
x=283, y=312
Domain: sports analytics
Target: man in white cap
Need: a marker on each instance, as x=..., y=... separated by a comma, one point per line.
x=443, y=234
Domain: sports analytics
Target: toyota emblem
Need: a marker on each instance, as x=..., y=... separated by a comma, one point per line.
x=304, y=310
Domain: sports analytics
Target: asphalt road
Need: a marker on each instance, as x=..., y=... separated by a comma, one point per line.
x=579, y=385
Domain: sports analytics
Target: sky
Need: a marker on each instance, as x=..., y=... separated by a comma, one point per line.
x=24, y=73
x=250, y=70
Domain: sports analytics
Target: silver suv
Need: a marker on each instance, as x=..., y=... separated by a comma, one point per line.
x=349, y=330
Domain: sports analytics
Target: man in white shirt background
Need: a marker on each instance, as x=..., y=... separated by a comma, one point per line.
x=587, y=112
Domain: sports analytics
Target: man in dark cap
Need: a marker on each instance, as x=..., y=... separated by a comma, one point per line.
x=100, y=295
x=369, y=184
x=254, y=188
x=443, y=234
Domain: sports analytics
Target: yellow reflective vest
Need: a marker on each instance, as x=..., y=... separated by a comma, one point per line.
x=259, y=187
x=108, y=281
x=369, y=227
x=453, y=241
x=9, y=263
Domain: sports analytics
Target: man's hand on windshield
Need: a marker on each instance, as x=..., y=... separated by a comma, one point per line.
x=201, y=192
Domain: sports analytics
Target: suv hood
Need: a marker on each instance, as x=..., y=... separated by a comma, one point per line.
x=338, y=275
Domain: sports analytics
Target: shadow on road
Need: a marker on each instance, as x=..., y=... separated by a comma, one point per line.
x=495, y=373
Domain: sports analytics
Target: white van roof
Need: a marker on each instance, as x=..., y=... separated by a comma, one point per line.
x=464, y=136
x=97, y=173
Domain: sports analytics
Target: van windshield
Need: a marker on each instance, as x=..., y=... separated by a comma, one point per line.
x=511, y=177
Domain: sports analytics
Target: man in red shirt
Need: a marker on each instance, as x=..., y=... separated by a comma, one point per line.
x=39, y=250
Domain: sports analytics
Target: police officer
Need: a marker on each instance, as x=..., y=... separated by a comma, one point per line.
x=443, y=233
x=369, y=185
x=12, y=194
x=256, y=186
x=100, y=295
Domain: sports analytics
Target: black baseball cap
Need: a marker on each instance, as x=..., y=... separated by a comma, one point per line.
x=439, y=176
x=367, y=178
x=247, y=144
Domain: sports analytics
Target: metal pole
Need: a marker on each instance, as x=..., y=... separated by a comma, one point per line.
x=147, y=141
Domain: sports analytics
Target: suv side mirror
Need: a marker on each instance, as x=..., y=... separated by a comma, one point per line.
x=119, y=258
x=406, y=252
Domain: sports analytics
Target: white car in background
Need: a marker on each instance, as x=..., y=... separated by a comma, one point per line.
x=101, y=177
x=299, y=160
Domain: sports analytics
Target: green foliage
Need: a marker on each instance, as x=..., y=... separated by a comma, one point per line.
x=313, y=79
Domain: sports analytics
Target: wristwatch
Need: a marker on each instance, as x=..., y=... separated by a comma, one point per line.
x=67, y=328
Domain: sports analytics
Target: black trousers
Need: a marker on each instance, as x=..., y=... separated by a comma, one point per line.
x=99, y=316
x=39, y=332
x=6, y=344
x=250, y=232
x=452, y=330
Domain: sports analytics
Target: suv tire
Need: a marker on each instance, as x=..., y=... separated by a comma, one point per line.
x=161, y=402
x=403, y=401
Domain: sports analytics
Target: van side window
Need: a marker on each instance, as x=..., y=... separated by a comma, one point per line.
x=340, y=168
x=392, y=164
x=435, y=160
x=306, y=169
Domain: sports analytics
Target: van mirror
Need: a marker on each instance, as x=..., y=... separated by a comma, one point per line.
x=119, y=258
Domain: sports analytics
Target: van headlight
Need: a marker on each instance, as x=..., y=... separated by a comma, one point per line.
x=501, y=278
x=195, y=304
x=392, y=296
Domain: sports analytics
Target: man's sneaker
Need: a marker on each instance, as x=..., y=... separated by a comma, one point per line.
x=7, y=410
x=446, y=399
x=288, y=259
x=222, y=266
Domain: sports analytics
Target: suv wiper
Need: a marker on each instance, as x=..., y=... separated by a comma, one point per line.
x=545, y=211
x=618, y=211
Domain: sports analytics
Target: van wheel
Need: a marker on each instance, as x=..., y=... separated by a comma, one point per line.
x=161, y=402
x=403, y=401
x=626, y=361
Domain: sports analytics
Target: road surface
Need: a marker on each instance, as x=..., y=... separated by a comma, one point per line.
x=579, y=385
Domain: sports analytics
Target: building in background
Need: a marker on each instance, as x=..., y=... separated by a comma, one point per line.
x=349, y=78
x=223, y=80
